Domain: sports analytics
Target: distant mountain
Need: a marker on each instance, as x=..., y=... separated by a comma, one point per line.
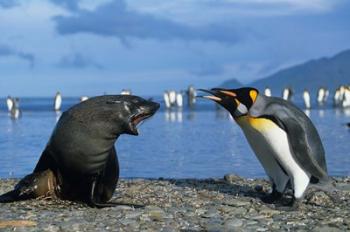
x=231, y=84
x=328, y=72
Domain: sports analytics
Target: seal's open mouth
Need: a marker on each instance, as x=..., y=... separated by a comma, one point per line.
x=137, y=119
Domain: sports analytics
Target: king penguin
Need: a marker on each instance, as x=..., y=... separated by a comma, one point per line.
x=57, y=101
x=283, y=138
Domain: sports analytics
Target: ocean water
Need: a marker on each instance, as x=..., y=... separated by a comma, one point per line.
x=190, y=143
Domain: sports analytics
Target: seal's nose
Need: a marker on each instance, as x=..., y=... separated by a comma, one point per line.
x=156, y=106
x=150, y=107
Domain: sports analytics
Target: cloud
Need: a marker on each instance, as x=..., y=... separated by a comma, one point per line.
x=8, y=3
x=72, y=5
x=6, y=50
x=116, y=19
x=208, y=69
x=225, y=11
x=286, y=6
x=77, y=61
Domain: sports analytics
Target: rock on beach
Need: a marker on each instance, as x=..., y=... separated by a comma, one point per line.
x=228, y=204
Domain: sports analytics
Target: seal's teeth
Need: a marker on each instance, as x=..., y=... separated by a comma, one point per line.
x=140, y=123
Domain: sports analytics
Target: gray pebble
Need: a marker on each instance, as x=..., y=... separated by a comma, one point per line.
x=326, y=229
x=187, y=204
x=233, y=224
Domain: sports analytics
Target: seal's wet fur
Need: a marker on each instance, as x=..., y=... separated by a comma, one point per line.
x=80, y=161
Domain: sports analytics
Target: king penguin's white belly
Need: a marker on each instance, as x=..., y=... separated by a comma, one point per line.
x=271, y=146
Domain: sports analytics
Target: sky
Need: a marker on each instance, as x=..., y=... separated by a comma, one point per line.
x=86, y=47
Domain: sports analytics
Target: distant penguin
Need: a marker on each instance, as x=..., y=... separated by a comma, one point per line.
x=321, y=95
x=336, y=97
x=9, y=103
x=267, y=92
x=125, y=92
x=172, y=97
x=287, y=94
x=15, y=112
x=346, y=97
x=307, y=99
x=83, y=98
x=283, y=138
x=179, y=100
x=326, y=96
x=341, y=93
x=58, y=101
x=191, y=93
x=166, y=99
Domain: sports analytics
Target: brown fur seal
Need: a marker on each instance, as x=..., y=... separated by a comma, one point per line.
x=80, y=162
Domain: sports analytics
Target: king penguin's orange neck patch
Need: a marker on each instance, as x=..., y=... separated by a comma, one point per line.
x=253, y=94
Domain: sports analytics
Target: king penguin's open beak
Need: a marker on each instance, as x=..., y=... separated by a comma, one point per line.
x=214, y=95
x=218, y=94
x=225, y=97
x=225, y=91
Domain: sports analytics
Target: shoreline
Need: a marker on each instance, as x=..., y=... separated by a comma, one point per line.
x=231, y=203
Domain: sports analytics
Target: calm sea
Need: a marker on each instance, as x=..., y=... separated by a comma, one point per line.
x=189, y=143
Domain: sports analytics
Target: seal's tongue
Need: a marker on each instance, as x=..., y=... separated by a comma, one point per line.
x=140, y=118
x=137, y=120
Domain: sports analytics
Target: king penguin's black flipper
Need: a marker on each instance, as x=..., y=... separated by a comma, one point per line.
x=304, y=140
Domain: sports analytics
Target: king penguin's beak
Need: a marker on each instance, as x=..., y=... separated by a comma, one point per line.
x=225, y=91
x=215, y=96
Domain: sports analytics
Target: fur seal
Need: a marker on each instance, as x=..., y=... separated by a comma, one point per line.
x=80, y=161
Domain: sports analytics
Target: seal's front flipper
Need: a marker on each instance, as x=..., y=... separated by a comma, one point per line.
x=113, y=204
x=94, y=203
x=136, y=206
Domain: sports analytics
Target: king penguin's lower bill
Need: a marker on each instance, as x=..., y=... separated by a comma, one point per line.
x=283, y=138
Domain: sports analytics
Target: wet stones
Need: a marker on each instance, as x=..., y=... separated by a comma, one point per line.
x=229, y=204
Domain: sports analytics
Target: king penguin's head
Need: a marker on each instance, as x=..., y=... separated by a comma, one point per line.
x=236, y=101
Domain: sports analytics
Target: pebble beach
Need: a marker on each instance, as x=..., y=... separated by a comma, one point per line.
x=231, y=203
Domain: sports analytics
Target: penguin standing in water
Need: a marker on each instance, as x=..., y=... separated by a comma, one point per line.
x=9, y=103
x=283, y=138
x=15, y=112
x=307, y=99
x=57, y=102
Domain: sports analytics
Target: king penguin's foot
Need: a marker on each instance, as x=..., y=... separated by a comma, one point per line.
x=272, y=197
x=292, y=205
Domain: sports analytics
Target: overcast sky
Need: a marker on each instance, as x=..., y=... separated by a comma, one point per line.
x=90, y=47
